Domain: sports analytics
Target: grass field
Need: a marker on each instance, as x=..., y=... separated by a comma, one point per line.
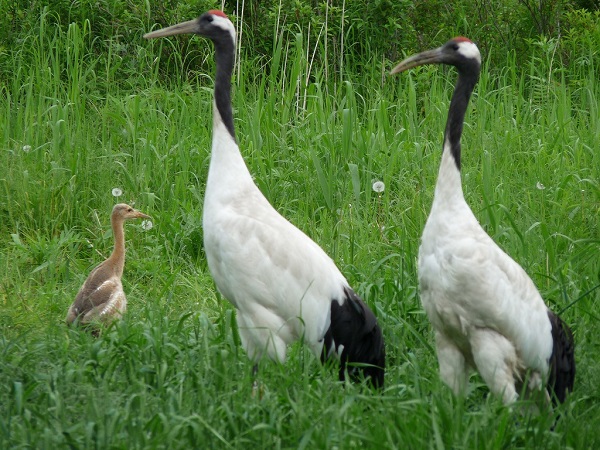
x=172, y=374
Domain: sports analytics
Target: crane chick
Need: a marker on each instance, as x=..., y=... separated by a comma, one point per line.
x=101, y=299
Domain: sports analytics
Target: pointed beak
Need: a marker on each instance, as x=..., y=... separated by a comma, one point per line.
x=191, y=26
x=428, y=57
x=140, y=215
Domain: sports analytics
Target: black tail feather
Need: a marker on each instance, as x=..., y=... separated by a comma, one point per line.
x=562, y=361
x=354, y=326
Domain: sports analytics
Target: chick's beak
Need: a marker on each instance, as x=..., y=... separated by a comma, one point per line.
x=141, y=215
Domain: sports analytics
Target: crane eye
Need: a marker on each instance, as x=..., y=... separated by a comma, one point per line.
x=455, y=46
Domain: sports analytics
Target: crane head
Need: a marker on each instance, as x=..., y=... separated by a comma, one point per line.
x=212, y=24
x=123, y=211
x=459, y=52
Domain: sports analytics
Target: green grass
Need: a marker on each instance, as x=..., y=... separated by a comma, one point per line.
x=173, y=374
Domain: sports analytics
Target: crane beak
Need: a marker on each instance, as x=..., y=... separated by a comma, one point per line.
x=428, y=57
x=140, y=215
x=191, y=26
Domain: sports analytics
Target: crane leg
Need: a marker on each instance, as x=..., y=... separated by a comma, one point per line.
x=453, y=367
x=496, y=360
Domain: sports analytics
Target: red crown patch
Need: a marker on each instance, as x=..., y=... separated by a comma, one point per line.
x=216, y=12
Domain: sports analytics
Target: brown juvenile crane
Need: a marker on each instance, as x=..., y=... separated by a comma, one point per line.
x=101, y=299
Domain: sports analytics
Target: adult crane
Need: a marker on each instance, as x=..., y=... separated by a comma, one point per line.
x=283, y=286
x=101, y=299
x=485, y=310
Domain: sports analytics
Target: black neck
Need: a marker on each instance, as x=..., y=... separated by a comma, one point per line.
x=225, y=57
x=456, y=114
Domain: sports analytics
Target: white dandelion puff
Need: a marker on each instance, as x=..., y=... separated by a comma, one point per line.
x=147, y=225
x=116, y=192
x=378, y=186
x=540, y=186
x=26, y=148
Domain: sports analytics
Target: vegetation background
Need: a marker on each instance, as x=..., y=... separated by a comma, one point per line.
x=88, y=105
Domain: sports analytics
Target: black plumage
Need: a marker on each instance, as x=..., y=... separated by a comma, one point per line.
x=562, y=361
x=354, y=327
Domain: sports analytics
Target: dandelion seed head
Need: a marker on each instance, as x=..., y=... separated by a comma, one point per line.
x=117, y=192
x=147, y=225
x=378, y=186
x=540, y=186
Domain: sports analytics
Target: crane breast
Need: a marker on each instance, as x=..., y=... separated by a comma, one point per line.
x=468, y=281
x=261, y=260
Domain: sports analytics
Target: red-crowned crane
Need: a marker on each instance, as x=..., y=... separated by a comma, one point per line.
x=101, y=298
x=486, y=312
x=283, y=285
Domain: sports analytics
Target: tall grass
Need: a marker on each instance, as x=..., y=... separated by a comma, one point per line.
x=172, y=374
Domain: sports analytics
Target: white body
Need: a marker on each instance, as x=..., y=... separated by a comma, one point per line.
x=486, y=312
x=280, y=281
